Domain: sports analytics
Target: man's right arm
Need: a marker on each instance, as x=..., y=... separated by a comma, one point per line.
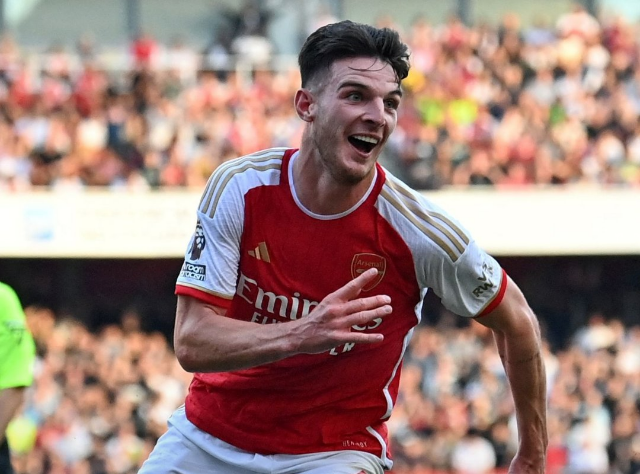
x=205, y=340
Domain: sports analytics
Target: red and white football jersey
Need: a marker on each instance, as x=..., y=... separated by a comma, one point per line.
x=259, y=253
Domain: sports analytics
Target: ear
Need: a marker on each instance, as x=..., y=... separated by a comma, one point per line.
x=305, y=105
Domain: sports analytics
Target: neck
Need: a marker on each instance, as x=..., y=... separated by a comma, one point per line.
x=319, y=191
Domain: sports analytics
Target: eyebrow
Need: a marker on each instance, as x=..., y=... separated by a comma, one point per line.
x=359, y=85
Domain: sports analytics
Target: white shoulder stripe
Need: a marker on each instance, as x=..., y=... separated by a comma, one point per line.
x=402, y=189
x=216, y=175
x=261, y=161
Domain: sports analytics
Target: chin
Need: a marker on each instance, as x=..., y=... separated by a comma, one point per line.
x=355, y=175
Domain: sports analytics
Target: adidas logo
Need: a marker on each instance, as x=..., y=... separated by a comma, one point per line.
x=261, y=252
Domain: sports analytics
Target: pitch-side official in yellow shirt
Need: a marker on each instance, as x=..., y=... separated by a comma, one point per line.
x=17, y=355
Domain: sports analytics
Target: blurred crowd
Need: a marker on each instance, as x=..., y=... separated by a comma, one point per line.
x=101, y=399
x=455, y=412
x=491, y=104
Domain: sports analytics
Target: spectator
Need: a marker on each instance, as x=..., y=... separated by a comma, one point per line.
x=473, y=454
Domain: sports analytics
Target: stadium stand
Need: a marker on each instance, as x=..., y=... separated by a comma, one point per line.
x=102, y=398
x=495, y=106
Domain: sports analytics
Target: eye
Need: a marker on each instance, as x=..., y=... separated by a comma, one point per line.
x=391, y=104
x=355, y=96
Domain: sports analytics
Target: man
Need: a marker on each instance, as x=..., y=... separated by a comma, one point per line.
x=305, y=277
x=17, y=354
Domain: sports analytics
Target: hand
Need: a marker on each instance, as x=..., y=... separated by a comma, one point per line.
x=329, y=324
x=520, y=465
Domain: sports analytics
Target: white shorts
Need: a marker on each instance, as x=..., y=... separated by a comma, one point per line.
x=185, y=449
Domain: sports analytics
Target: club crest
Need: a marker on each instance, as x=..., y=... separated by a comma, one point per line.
x=364, y=261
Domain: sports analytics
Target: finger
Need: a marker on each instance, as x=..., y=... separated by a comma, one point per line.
x=365, y=304
x=362, y=318
x=355, y=286
x=358, y=338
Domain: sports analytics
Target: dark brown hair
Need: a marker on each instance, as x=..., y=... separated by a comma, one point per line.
x=347, y=39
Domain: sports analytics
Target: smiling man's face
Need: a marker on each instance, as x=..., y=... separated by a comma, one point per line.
x=354, y=112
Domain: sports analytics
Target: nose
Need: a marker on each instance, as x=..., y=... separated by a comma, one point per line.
x=374, y=113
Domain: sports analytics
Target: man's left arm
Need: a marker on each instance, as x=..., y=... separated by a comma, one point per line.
x=517, y=335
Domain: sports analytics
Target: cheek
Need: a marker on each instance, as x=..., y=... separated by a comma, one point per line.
x=392, y=121
x=391, y=128
x=331, y=124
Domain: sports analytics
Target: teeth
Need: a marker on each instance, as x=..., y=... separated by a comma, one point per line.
x=366, y=139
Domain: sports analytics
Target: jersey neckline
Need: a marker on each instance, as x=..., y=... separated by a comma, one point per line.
x=325, y=217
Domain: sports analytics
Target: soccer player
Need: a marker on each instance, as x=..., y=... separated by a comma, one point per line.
x=304, y=280
x=17, y=355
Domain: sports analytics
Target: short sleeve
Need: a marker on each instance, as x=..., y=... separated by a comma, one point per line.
x=472, y=285
x=210, y=266
x=212, y=259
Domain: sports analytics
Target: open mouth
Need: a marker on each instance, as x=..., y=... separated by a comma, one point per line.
x=363, y=143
